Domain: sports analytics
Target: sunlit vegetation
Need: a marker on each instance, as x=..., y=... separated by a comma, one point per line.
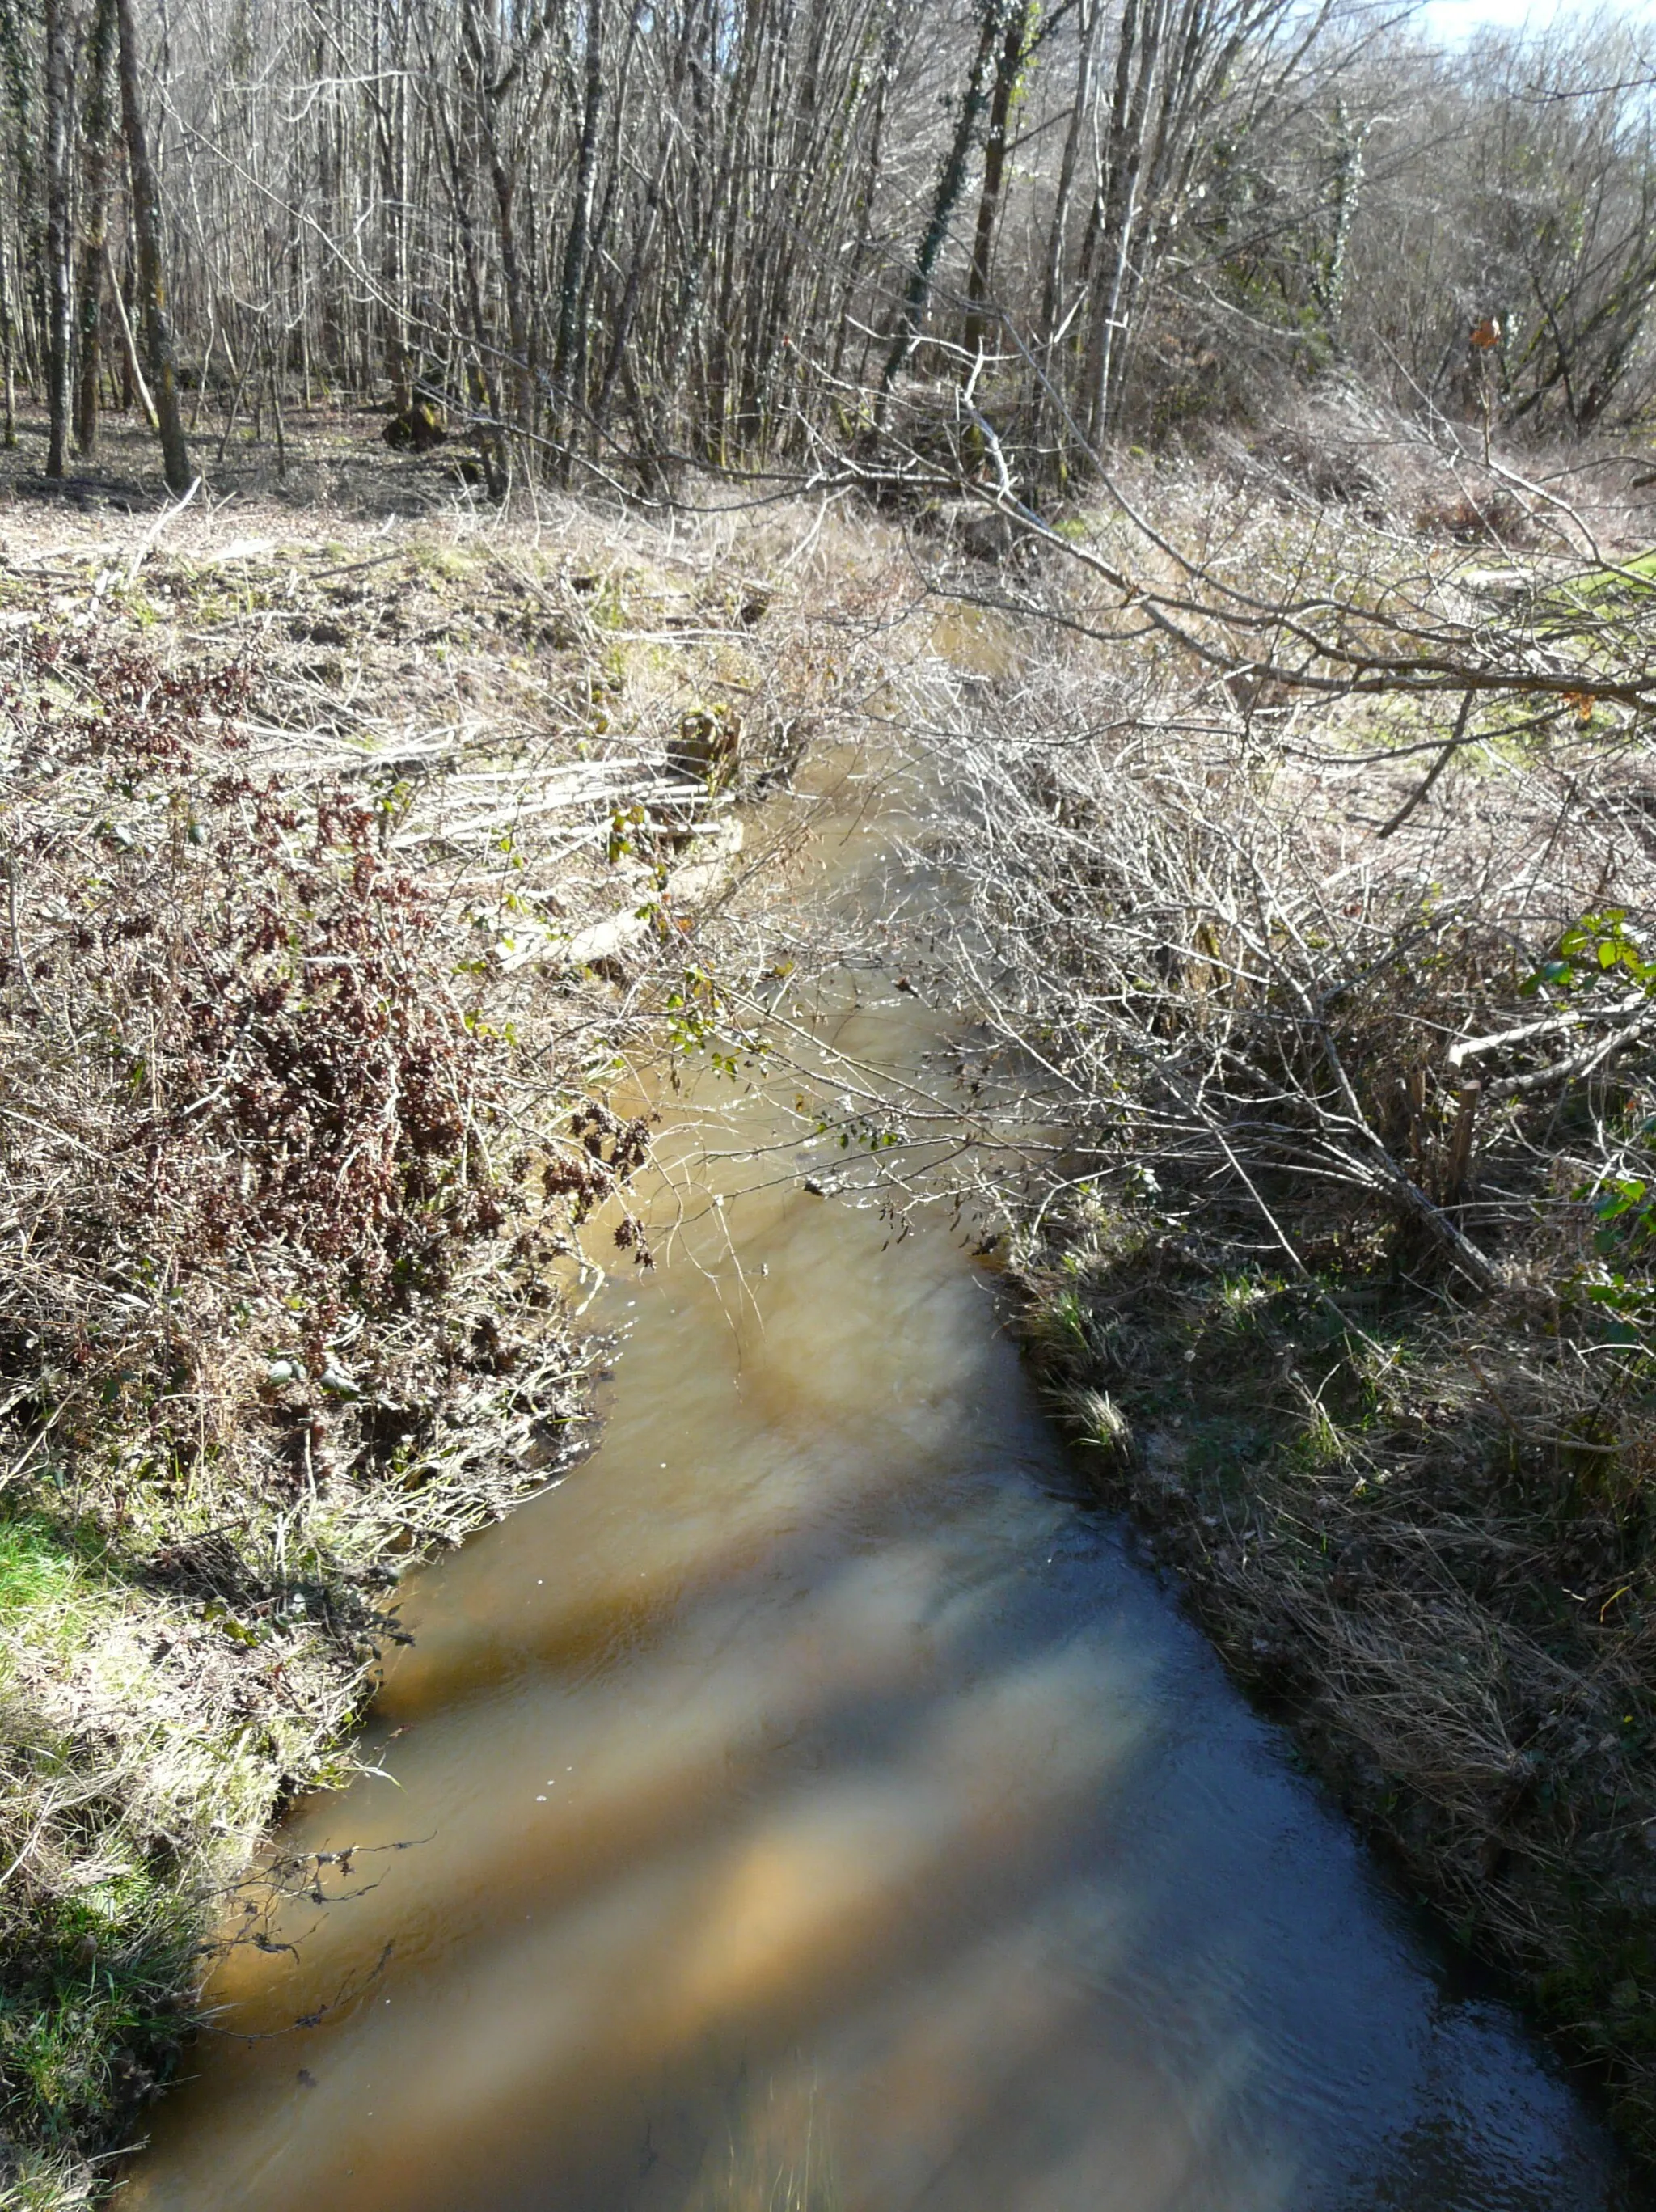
x=1220, y=440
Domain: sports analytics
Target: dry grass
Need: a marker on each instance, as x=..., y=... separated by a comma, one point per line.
x=1345, y=1281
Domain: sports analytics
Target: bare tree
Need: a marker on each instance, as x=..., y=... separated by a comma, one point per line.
x=152, y=282
x=59, y=327
x=98, y=116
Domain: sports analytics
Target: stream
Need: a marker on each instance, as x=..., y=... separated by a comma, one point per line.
x=812, y=1806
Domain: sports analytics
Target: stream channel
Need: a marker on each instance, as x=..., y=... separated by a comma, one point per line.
x=815, y=1807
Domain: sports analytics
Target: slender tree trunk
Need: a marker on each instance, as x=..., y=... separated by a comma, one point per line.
x=99, y=124
x=152, y=284
x=512, y=274
x=617, y=152
x=951, y=183
x=994, y=171
x=483, y=390
x=1346, y=191
x=569, y=364
x=1144, y=25
x=1052, y=288
x=8, y=344
x=125, y=286
x=1055, y=323
x=891, y=45
x=488, y=91
x=60, y=320
x=133, y=390
x=629, y=298
x=388, y=115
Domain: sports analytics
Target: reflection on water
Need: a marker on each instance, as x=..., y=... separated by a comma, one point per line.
x=815, y=1812
x=779, y=2158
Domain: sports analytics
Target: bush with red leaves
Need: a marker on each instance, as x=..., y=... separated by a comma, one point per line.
x=235, y=1071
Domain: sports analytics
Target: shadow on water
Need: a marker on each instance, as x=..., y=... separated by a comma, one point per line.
x=822, y=1814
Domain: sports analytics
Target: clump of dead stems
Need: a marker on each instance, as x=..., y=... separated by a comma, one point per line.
x=1346, y=1281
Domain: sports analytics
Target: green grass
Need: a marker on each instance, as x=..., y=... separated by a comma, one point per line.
x=59, y=1587
x=89, y=2021
x=37, y=1573
x=87, y=2017
x=1636, y=574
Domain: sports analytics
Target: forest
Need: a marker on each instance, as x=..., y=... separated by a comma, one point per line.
x=482, y=483
x=608, y=240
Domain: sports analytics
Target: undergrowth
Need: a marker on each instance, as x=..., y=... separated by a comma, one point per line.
x=320, y=960
x=1346, y=1278
x=1413, y=1530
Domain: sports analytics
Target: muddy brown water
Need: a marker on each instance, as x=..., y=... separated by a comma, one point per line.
x=812, y=1807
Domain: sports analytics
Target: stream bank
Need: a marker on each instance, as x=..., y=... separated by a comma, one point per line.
x=808, y=1802
x=917, y=1850
x=1401, y=1587
x=1344, y=1266
x=346, y=857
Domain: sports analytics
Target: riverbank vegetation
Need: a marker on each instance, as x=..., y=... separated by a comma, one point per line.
x=1344, y=1281
x=343, y=864
x=1266, y=395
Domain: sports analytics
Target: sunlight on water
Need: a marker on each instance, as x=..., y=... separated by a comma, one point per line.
x=779, y=2158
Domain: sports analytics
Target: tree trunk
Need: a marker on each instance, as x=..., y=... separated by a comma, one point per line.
x=1347, y=186
x=99, y=124
x=891, y=48
x=388, y=115
x=59, y=322
x=133, y=390
x=629, y=299
x=951, y=183
x=569, y=366
x=488, y=91
x=125, y=286
x=484, y=391
x=1053, y=282
x=994, y=171
x=152, y=285
x=1142, y=27
x=9, y=346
